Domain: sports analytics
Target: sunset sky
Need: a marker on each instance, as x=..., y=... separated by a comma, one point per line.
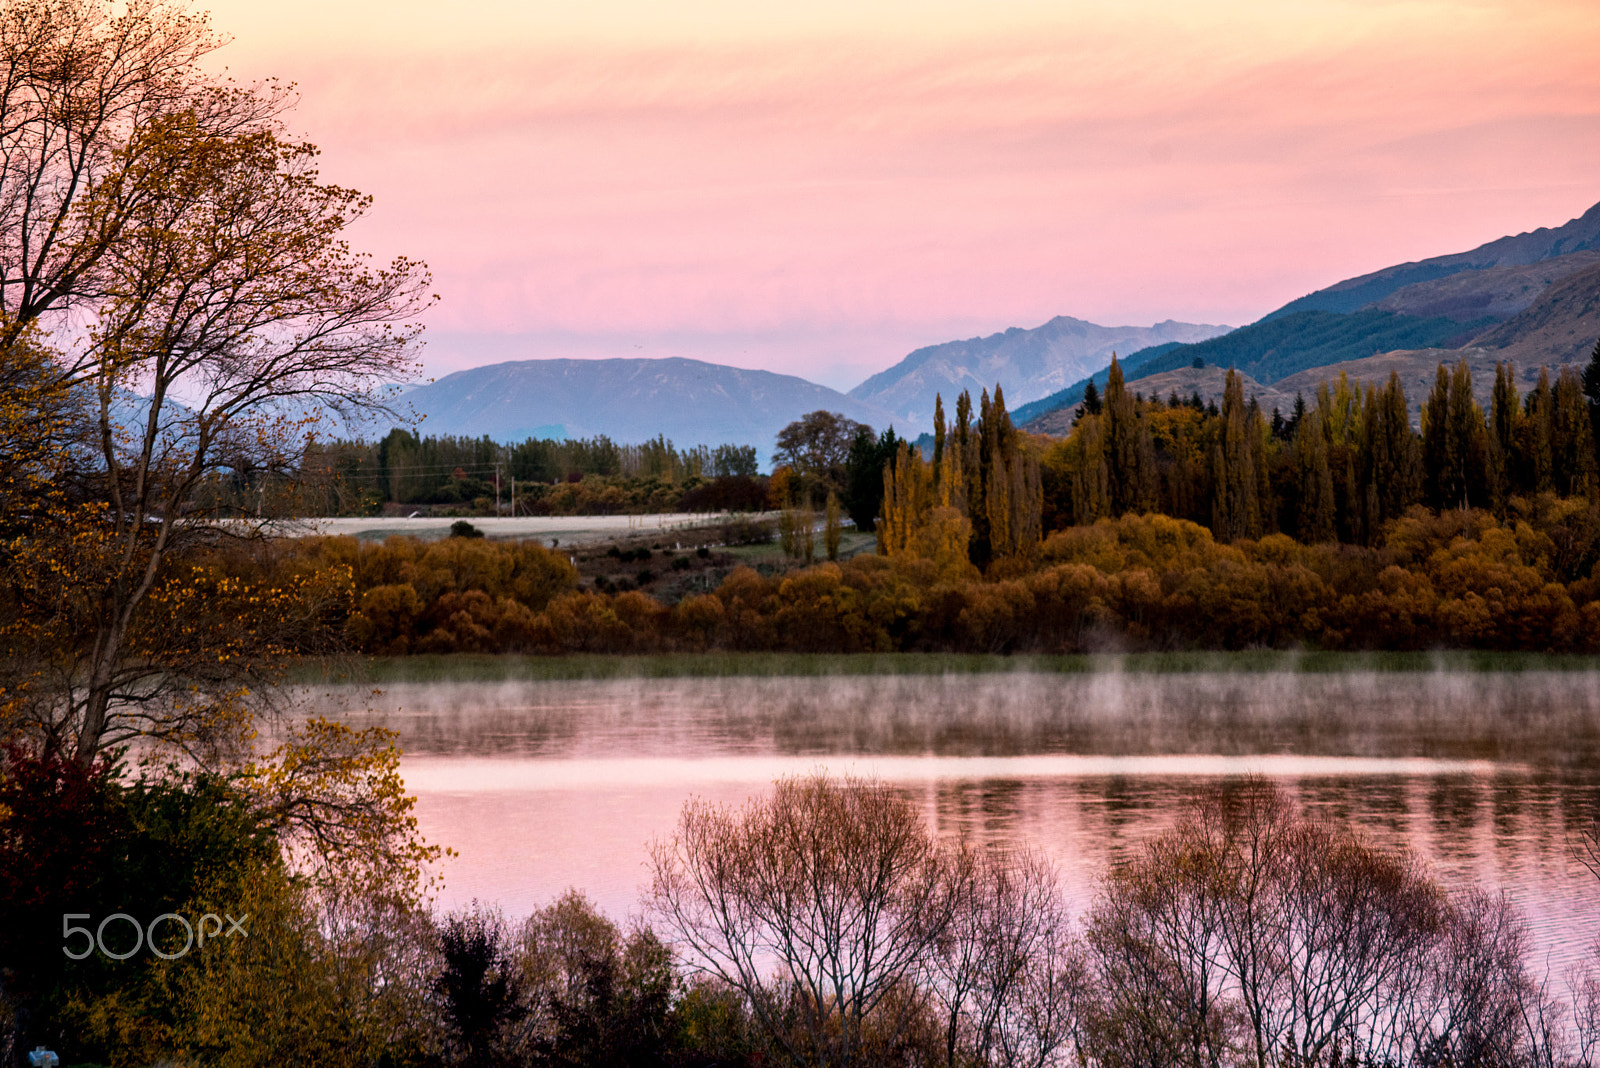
x=819, y=188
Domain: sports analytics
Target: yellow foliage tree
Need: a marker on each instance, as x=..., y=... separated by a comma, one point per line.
x=196, y=254
x=985, y=479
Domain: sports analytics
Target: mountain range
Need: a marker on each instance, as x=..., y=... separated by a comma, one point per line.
x=1029, y=364
x=628, y=400
x=1532, y=298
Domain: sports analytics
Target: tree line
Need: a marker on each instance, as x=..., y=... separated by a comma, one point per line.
x=1339, y=467
x=1457, y=579
x=538, y=476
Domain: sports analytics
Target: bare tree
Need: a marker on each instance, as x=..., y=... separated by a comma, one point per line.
x=1250, y=934
x=1159, y=962
x=1586, y=992
x=821, y=904
x=1586, y=839
x=1471, y=1003
x=1008, y=973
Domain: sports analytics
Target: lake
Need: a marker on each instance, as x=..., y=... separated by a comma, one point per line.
x=542, y=785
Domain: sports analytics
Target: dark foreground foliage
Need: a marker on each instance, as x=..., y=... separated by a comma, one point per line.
x=821, y=925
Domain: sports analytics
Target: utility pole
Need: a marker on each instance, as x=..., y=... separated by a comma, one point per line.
x=513, y=496
x=496, y=489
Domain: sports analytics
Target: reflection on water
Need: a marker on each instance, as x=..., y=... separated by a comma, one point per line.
x=545, y=785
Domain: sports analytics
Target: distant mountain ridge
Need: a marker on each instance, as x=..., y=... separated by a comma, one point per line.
x=1029, y=364
x=629, y=400
x=1532, y=297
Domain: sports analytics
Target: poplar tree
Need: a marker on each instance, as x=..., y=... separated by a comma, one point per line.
x=1089, y=476
x=1236, y=508
x=1391, y=457
x=999, y=439
x=1591, y=391
x=1130, y=452
x=1537, y=456
x=1455, y=442
x=1505, y=420
x=928, y=508
x=1314, y=482
x=1571, y=437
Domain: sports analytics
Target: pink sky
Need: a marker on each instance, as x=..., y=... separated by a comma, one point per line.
x=820, y=191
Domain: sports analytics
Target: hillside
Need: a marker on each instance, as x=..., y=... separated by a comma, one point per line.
x=1535, y=246
x=1276, y=348
x=1494, y=292
x=1029, y=364
x=688, y=401
x=1533, y=298
x=1559, y=327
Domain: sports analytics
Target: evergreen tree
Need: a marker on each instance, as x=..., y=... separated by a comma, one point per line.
x=1091, y=396
x=864, y=469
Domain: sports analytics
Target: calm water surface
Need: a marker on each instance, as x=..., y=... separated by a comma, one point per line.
x=542, y=786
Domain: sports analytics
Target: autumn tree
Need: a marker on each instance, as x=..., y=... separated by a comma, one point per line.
x=1389, y=464
x=1455, y=444
x=1591, y=394
x=217, y=312
x=831, y=527
x=1571, y=437
x=1538, y=453
x=816, y=447
x=1314, y=481
x=1239, y=464
x=1130, y=454
x=596, y=995
x=982, y=487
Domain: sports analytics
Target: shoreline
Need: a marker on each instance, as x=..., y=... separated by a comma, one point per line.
x=484, y=667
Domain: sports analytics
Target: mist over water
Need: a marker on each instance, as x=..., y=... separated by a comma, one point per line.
x=545, y=785
x=1546, y=717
